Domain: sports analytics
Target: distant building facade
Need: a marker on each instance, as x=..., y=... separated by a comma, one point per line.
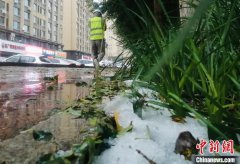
x=32, y=22
x=76, y=38
x=113, y=45
x=186, y=10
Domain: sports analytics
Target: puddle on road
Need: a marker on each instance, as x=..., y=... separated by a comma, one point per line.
x=24, y=149
x=25, y=98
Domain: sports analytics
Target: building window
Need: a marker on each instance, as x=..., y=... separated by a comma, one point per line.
x=43, y=11
x=54, y=28
x=49, y=36
x=27, y=15
x=39, y=9
x=38, y=21
x=34, y=31
x=2, y=5
x=26, y=28
x=50, y=5
x=16, y=1
x=38, y=32
x=16, y=11
x=55, y=18
x=49, y=26
x=2, y=20
x=43, y=34
x=35, y=7
x=16, y=25
x=27, y=2
x=49, y=14
x=55, y=8
x=54, y=38
x=34, y=19
x=43, y=23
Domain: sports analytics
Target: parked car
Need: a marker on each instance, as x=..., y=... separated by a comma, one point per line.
x=2, y=59
x=106, y=63
x=87, y=63
x=20, y=58
x=118, y=64
x=58, y=61
x=72, y=62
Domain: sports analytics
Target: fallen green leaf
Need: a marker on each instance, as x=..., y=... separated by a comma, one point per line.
x=44, y=159
x=63, y=154
x=42, y=135
x=74, y=112
x=81, y=84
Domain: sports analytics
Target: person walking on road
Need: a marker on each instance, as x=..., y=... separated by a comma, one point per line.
x=97, y=27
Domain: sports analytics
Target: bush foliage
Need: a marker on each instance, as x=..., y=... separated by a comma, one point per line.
x=192, y=61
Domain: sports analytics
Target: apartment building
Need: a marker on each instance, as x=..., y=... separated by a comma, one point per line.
x=186, y=9
x=32, y=22
x=75, y=28
x=114, y=48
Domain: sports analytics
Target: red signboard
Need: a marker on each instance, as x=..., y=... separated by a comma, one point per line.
x=8, y=46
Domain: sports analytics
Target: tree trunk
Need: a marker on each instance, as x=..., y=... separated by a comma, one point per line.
x=158, y=12
x=172, y=9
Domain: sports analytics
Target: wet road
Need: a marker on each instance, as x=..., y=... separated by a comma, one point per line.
x=23, y=149
x=26, y=98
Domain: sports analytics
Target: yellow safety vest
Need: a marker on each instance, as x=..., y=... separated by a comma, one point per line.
x=97, y=29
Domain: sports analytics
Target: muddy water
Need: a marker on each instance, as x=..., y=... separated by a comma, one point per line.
x=26, y=98
x=23, y=149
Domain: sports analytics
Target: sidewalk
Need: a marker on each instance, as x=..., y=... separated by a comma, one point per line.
x=148, y=135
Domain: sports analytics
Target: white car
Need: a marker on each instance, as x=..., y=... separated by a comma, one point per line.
x=106, y=63
x=58, y=61
x=87, y=63
x=2, y=59
x=20, y=58
x=73, y=62
x=118, y=64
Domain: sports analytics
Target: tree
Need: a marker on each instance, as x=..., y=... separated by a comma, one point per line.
x=131, y=16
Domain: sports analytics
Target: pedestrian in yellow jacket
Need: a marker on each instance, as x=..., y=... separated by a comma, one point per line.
x=97, y=27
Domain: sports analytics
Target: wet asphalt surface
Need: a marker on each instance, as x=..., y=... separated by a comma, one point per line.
x=26, y=97
x=30, y=101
